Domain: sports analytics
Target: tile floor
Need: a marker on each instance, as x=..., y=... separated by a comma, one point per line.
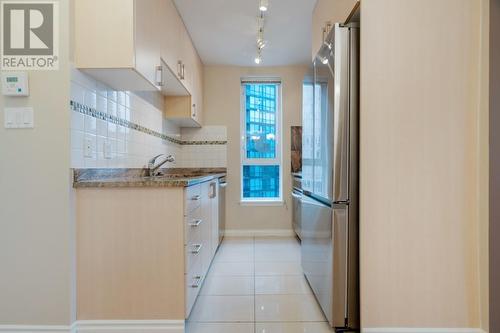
x=255, y=285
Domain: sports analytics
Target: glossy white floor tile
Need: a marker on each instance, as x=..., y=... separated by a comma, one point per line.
x=228, y=285
x=291, y=308
x=220, y=328
x=223, y=309
x=257, y=285
x=278, y=268
x=292, y=328
x=281, y=285
x=231, y=269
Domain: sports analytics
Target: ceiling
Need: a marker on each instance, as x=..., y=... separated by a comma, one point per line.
x=224, y=31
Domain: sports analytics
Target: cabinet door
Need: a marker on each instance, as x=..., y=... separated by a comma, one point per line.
x=187, y=57
x=198, y=92
x=207, y=227
x=171, y=25
x=214, y=189
x=147, y=37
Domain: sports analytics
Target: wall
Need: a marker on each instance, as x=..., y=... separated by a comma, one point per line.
x=332, y=11
x=128, y=146
x=419, y=148
x=35, y=228
x=483, y=167
x=222, y=107
x=494, y=181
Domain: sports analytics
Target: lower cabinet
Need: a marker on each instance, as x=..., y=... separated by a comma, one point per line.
x=143, y=252
x=201, y=237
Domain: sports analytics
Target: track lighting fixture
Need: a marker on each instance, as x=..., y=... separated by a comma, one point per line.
x=264, y=5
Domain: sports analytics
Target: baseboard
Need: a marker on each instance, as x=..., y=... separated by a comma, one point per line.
x=128, y=326
x=34, y=329
x=259, y=233
x=422, y=330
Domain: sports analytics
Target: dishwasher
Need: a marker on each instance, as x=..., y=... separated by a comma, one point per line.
x=222, y=207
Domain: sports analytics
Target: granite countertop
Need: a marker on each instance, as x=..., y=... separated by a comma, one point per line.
x=172, y=177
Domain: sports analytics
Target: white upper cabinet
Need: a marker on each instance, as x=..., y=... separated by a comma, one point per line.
x=172, y=27
x=140, y=45
x=148, y=38
x=116, y=42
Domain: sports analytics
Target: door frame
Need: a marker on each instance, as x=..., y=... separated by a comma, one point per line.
x=494, y=175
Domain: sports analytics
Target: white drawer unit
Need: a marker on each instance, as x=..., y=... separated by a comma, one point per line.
x=194, y=281
x=200, y=221
x=192, y=198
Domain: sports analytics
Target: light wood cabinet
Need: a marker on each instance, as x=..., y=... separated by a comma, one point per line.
x=141, y=45
x=326, y=13
x=157, y=242
x=118, y=43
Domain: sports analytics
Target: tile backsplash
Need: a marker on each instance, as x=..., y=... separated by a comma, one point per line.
x=125, y=129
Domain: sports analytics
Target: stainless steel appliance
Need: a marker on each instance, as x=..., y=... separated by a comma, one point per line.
x=330, y=178
x=222, y=207
x=297, y=204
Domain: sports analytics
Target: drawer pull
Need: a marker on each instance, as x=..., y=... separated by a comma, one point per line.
x=196, y=282
x=196, y=198
x=196, y=248
x=195, y=223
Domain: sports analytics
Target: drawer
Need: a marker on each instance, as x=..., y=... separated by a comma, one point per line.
x=192, y=252
x=194, y=280
x=194, y=225
x=192, y=198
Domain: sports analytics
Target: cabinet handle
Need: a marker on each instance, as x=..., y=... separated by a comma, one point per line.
x=179, y=69
x=196, y=282
x=213, y=192
x=196, y=248
x=196, y=198
x=183, y=71
x=195, y=223
x=159, y=76
x=194, y=110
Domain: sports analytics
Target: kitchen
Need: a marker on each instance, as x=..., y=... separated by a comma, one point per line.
x=254, y=166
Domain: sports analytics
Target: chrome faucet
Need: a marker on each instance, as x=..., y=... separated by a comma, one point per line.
x=153, y=169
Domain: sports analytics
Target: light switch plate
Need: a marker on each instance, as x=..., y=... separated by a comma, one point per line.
x=19, y=117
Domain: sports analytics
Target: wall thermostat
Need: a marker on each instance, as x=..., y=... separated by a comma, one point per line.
x=15, y=84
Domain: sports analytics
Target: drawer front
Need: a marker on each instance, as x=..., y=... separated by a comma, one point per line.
x=194, y=250
x=194, y=224
x=192, y=197
x=194, y=280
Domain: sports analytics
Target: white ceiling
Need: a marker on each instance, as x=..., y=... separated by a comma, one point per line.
x=224, y=31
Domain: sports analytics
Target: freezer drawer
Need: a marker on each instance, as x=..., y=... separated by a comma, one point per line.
x=324, y=256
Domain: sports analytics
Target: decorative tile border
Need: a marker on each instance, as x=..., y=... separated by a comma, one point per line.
x=86, y=110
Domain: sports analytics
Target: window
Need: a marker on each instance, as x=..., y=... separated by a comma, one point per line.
x=261, y=141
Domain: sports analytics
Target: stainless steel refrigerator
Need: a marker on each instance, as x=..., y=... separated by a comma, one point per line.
x=330, y=177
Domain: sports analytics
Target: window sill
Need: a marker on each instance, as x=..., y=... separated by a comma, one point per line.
x=270, y=203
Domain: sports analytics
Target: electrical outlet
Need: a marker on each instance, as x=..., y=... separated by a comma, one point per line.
x=87, y=148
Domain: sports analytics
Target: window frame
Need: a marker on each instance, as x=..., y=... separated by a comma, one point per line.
x=278, y=159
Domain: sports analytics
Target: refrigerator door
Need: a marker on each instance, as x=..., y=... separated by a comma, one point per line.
x=324, y=256
x=296, y=212
x=341, y=116
x=323, y=126
x=316, y=250
x=308, y=130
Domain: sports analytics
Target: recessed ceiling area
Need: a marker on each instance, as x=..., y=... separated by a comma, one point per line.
x=224, y=31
